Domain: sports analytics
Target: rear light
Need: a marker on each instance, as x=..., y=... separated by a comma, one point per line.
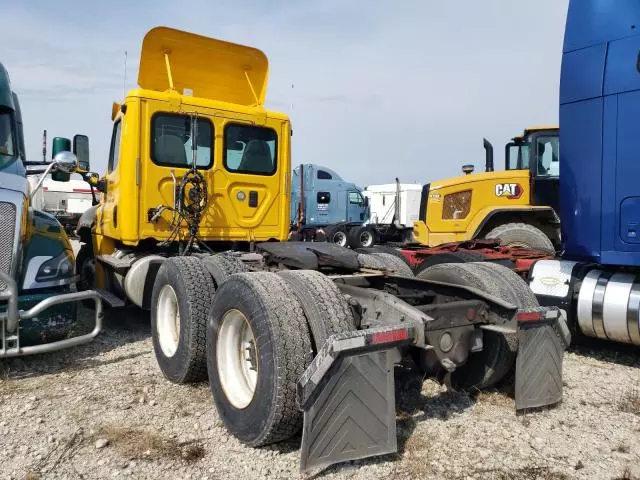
x=529, y=316
x=389, y=336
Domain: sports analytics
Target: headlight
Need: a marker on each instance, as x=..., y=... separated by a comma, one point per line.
x=57, y=268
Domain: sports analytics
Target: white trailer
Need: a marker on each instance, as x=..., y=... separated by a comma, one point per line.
x=66, y=200
x=393, y=209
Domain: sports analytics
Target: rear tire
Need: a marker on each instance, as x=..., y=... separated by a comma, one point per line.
x=448, y=257
x=395, y=264
x=222, y=266
x=281, y=352
x=361, y=237
x=182, y=294
x=522, y=235
x=486, y=368
x=325, y=308
x=336, y=234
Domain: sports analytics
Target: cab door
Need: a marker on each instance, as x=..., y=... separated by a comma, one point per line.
x=545, y=171
x=251, y=180
x=355, y=207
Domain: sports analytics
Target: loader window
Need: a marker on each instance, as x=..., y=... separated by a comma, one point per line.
x=249, y=149
x=548, y=156
x=518, y=156
x=114, y=152
x=171, y=141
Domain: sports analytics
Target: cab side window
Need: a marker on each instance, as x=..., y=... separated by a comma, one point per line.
x=114, y=151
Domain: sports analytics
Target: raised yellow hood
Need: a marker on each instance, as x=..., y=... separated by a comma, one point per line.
x=210, y=68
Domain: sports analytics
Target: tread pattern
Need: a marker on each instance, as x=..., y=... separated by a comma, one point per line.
x=200, y=290
x=324, y=305
x=222, y=266
x=524, y=233
x=292, y=347
x=394, y=264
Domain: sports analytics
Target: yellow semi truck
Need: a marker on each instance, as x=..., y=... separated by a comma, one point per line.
x=519, y=205
x=192, y=226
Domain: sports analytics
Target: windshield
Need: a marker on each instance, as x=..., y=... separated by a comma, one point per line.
x=7, y=139
x=6, y=134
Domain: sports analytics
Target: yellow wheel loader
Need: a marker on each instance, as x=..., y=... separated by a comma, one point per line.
x=519, y=205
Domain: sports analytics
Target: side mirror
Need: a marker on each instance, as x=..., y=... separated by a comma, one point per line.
x=61, y=168
x=65, y=162
x=366, y=202
x=59, y=145
x=81, y=151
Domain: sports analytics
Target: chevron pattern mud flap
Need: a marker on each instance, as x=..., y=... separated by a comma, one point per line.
x=543, y=337
x=353, y=416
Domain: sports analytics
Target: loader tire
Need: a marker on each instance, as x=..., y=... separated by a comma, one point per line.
x=393, y=263
x=361, y=237
x=522, y=235
x=487, y=367
x=325, y=308
x=222, y=266
x=181, y=298
x=256, y=324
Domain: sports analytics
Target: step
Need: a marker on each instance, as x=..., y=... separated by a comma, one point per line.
x=110, y=299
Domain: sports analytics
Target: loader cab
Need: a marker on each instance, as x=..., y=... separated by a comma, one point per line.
x=538, y=150
x=200, y=109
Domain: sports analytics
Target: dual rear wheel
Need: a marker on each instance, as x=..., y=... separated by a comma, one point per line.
x=260, y=334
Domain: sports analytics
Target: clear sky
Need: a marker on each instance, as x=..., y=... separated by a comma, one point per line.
x=381, y=89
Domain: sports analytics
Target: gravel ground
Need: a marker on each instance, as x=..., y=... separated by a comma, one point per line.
x=104, y=410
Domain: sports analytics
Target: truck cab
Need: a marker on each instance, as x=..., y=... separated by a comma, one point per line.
x=37, y=299
x=320, y=198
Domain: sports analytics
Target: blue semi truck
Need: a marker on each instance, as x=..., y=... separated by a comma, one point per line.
x=597, y=279
x=324, y=207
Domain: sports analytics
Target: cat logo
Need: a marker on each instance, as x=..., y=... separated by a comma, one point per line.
x=512, y=191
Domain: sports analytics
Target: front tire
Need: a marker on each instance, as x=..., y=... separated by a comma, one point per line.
x=522, y=235
x=259, y=408
x=182, y=294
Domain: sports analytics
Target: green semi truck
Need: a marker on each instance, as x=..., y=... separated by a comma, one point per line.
x=38, y=298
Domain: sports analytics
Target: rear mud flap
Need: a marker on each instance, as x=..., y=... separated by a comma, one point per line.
x=541, y=346
x=348, y=397
x=355, y=414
